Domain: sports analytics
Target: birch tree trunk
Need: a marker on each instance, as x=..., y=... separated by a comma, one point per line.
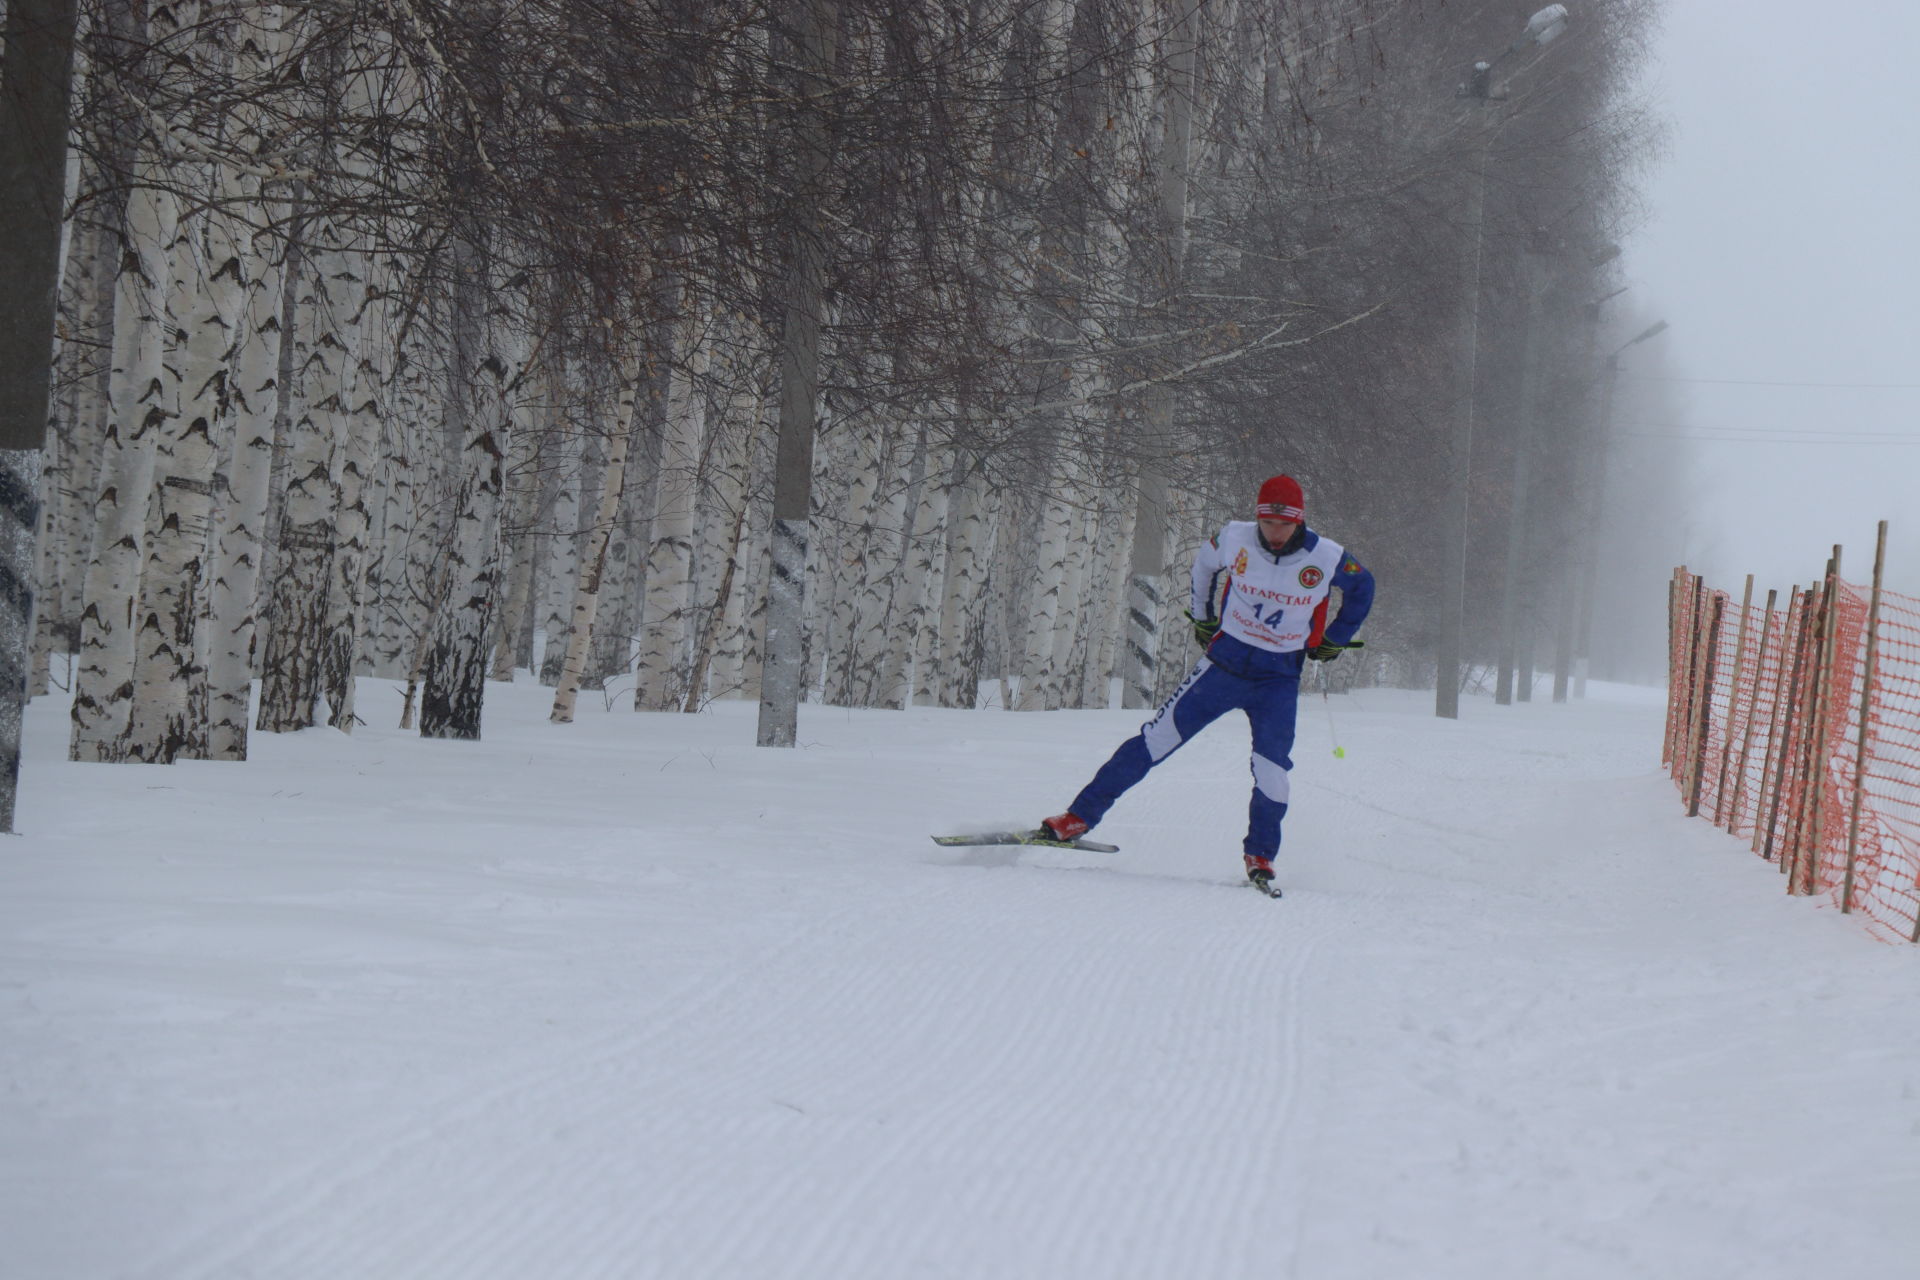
x=455, y=680
x=799, y=385
x=1105, y=616
x=613, y=626
x=860, y=592
x=139, y=396
x=717, y=657
x=963, y=604
x=724, y=594
x=399, y=571
x=835, y=466
x=167, y=657
x=728, y=669
x=90, y=414
x=1063, y=676
x=915, y=574
x=1051, y=547
x=236, y=576
x=745, y=645
x=1176, y=652
x=296, y=344
x=44, y=556
x=1147, y=589
x=392, y=494
x=560, y=566
x=523, y=490
x=664, y=647
x=623, y=585
x=929, y=566
x=323, y=425
x=586, y=600
x=70, y=460
x=346, y=591
x=253, y=390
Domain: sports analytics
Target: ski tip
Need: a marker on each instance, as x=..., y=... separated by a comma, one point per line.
x=1026, y=838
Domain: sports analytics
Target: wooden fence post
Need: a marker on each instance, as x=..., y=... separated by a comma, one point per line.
x=1776, y=729
x=1697, y=756
x=1733, y=701
x=1689, y=706
x=1783, y=752
x=1806, y=732
x=1753, y=718
x=1866, y=718
x=1676, y=688
x=1813, y=780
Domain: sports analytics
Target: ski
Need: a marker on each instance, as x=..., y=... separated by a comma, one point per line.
x=1038, y=836
x=1267, y=887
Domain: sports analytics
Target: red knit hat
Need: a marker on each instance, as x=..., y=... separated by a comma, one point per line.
x=1280, y=499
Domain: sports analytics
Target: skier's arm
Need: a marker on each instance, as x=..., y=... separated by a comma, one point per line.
x=1207, y=567
x=1356, y=600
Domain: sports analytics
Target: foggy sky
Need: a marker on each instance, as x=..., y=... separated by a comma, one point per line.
x=1779, y=242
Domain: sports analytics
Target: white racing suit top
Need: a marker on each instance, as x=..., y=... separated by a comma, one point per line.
x=1275, y=605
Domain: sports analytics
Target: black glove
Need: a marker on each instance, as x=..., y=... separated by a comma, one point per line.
x=1325, y=652
x=1204, y=629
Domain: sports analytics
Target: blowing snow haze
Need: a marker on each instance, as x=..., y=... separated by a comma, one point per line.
x=1778, y=243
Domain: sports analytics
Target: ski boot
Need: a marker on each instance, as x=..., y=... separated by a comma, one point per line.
x=1260, y=874
x=1066, y=828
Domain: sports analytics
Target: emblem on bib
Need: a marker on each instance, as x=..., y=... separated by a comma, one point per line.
x=1311, y=575
x=1240, y=564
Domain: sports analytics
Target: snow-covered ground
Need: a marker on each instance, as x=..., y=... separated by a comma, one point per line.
x=633, y=998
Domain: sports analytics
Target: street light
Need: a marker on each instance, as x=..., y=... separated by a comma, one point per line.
x=1542, y=27
x=1517, y=633
x=1589, y=533
x=1513, y=623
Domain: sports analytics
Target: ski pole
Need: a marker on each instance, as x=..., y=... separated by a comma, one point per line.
x=1339, y=752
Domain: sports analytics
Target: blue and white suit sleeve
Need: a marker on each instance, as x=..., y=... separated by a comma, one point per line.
x=1207, y=564
x=1356, y=599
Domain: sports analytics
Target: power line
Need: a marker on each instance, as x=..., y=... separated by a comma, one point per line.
x=1757, y=429
x=1755, y=382
x=1751, y=440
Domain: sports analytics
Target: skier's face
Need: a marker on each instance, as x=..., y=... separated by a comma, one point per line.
x=1276, y=532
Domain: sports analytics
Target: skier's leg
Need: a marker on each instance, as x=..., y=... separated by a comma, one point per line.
x=1272, y=711
x=1207, y=693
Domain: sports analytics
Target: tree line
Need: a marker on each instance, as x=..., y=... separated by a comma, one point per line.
x=847, y=349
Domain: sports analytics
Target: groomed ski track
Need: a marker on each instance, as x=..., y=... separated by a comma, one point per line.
x=632, y=998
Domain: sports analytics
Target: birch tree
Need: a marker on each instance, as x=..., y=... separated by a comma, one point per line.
x=140, y=406
x=322, y=433
x=664, y=647
x=593, y=556
x=1146, y=589
x=168, y=640
x=799, y=384
x=454, y=686
x=252, y=385
x=905, y=655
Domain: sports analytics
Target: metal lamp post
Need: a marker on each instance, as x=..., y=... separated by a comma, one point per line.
x=1527, y=518
x=1595, y=507
x=1541, y=28
x=35, y=85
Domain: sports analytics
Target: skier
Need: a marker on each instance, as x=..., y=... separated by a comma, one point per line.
x=1279, y=576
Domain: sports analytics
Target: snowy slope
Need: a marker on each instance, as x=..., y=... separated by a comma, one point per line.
x=632, y=998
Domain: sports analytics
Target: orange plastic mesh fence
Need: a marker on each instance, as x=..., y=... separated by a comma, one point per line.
x=1764, y=714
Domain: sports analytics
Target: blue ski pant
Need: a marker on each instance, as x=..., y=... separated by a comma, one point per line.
x=1209, y=692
